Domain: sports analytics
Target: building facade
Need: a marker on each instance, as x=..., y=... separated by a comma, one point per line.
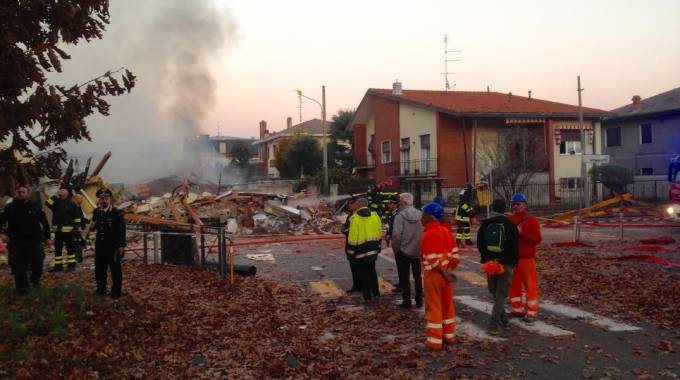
x=440, y=139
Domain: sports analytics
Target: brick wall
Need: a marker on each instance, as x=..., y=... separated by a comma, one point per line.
x=386, y=116
x=452, y=151
x=360, y=143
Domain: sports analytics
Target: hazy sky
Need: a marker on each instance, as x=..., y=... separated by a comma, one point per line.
x=267, y=48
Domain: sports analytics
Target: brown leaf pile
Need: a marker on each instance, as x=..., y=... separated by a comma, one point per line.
x=624, y=289
x=182, y=323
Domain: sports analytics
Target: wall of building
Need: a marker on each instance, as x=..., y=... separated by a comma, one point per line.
x=370, y=130
x=386, y=118
x=271, y=169
x=414, y=122
x=634, y=155
x=453, y=154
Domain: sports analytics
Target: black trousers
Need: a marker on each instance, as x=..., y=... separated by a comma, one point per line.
x=398, y=259
x=368, y=277
x=25, y=256
x=499, y=287
x=407, y=266
x=61, y=239
x=356, y=277
x=105, y=259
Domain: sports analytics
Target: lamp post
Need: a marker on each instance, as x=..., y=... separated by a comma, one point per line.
x=323, y=127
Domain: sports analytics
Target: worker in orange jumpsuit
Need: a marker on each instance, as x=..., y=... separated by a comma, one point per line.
x=525, y=277
x=436, y=249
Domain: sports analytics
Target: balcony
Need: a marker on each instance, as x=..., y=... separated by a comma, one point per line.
x=412, y=168
x=364, y=162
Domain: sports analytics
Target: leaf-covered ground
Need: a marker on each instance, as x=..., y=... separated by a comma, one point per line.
x=630, y=290
x=176, y=322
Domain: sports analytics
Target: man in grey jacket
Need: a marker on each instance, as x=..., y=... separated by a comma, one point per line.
x=406, y=242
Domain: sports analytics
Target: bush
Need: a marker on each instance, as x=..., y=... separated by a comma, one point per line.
x=614, y=177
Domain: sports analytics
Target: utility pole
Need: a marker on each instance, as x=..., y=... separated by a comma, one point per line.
x=583, y=153
x=325, y=143
x=300, y=107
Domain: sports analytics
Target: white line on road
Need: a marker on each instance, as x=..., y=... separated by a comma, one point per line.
x=474, y=331
x=589, y=317
x=537, y=327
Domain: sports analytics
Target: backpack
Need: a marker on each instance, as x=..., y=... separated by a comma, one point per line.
x=495, y=237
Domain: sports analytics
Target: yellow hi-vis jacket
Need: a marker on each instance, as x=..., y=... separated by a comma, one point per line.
x=365, y=232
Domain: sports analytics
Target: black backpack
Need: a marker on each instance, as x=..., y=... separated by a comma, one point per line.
x=495, y=237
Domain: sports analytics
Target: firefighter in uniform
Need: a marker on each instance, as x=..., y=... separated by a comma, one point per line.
x=464, y=213
x=66, y=224
x=78, y=237
x=27, y=229
x=438, y=252
x=109, y=224
x=387, y=194
x=363, y=245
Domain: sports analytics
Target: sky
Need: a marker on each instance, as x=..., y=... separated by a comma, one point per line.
x=244, y=57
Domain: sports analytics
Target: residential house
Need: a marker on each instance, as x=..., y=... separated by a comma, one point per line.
x=644, y=134
x=429, y=140
x=225, y=144
x=270, y=142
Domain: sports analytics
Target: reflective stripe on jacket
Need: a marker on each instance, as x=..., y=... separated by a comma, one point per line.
x=433, y=247
x=365, y=231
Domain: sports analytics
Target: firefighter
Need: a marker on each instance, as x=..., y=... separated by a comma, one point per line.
x=353, y=264
x=464, y=212
x=363, y=245
x=387, y=195
x=110, y=241
x=27, y=229
x=439, y=308
x=525, y=277
x=66, y=224
x=78, y=237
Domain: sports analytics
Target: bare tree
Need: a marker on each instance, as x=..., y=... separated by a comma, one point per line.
x=516, y=156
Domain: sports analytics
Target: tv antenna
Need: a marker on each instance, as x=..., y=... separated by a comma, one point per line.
x=447, y=84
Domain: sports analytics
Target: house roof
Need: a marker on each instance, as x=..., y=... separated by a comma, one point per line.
x=309, y=127
x=483, y=103
x=664, y=102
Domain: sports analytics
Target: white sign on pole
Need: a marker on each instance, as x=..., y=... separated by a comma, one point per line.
x=596, y=159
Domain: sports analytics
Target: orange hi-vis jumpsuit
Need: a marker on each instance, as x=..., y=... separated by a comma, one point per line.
x=525, y=277
x=439, y=309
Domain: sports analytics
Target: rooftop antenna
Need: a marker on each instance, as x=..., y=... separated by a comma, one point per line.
x=447, y=84
x=218, y=129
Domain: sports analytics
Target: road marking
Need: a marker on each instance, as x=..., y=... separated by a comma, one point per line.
x=597, y=320
x=387, y=258
x=471, y=277
x=539, y=327
x=327, y=289
x=473, y=331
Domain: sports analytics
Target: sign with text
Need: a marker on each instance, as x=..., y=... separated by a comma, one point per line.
x=598, y=159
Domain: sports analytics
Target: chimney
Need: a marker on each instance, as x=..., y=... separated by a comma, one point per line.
x=636, y=101
x=263, y=129
x=529, y=94
x=488, y=89
x=509, y=96
x=396, y=88
x=289, y=122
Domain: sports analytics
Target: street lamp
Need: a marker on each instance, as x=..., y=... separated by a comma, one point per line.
x=299, y=94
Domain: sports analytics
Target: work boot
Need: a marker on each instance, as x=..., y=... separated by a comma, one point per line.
x=469, y=242
x=71, y=267
x=397, y=289
x=513, y=315
x=115, y=295
x=419, y=304
x=353, y=290
x=405, y=305
x=57, y=268
x=496, y=330
x=529, y=320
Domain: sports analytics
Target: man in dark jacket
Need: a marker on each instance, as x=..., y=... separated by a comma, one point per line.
x=108, y=249
x=363, y=245
x=497, y=241
x=66, y=223
x=27, y=229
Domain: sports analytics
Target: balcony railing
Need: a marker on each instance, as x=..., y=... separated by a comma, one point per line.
x=412, y=168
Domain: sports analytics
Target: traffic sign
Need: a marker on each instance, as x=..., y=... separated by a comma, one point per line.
x=596, y=159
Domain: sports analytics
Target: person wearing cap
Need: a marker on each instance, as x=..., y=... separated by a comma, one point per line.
x=406, y=245
x=27, y=230
x=66, y=222
x=525, y=277
x=439, y=307
x=363, y=245
x=497, y=241
x=464, y=213
x=109, y=224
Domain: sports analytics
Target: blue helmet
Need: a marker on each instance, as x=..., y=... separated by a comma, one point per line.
x=518, y=197
x=439, y=200
x=434, y=209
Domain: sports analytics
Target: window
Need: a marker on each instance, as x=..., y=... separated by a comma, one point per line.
x=405, y=144
x=386, y=152
x=570, y=183
x=647, y=171
x=645, y=133
x=425, y=147
x=613, y=136
x=570, y=141
x=405, y=156
x=223, y=147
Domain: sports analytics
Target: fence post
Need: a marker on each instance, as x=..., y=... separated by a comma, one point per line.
x=146, y=247
x=621, y=226
x=156, y=245
x=220, y=261
x=202, y=251
x=577, y=230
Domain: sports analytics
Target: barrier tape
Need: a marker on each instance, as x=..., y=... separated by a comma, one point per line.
x=610, y=225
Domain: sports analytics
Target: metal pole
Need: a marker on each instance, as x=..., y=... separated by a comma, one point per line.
x=583, y=148
x=325, y=143
x=231, y=265
x=202, y=251
x=146, y=247
x=220, y=263
x=156, y=245
x=621, y=226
